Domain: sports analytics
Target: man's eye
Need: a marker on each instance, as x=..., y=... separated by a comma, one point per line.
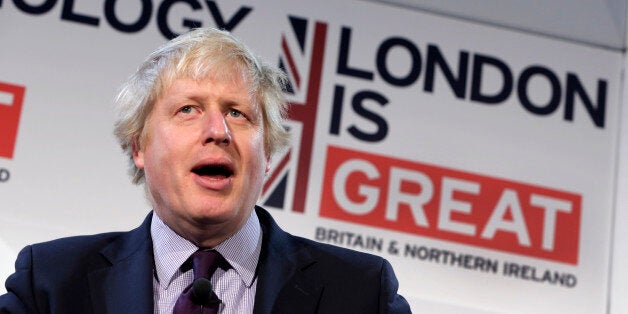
x=235, y=113
x=186, y=109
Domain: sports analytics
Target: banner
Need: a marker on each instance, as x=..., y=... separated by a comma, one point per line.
x=479, y=161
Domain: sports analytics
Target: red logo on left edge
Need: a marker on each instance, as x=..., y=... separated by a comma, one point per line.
x=10, y=112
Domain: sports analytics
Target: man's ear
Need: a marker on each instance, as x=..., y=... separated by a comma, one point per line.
x=138, y=155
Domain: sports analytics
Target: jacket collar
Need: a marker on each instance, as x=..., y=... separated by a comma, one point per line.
x=125, y=284
x=286, y=282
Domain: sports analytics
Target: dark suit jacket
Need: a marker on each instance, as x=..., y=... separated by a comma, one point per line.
x=113, y=273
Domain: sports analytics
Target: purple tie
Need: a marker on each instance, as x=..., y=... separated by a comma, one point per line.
x=204, y=264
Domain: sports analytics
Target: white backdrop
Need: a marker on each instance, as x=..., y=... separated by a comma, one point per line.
x=520, y=184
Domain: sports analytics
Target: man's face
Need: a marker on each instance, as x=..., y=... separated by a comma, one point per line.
x=203, y=157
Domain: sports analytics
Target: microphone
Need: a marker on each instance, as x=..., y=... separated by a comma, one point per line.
x=202, y=292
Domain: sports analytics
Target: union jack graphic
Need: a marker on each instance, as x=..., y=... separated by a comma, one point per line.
x=292, y=168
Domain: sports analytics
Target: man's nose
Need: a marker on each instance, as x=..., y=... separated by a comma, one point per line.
x=216, y=130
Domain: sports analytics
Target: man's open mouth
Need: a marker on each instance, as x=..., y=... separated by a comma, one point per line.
x=217, y=171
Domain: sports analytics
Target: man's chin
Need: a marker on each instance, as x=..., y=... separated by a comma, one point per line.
x=213, y=217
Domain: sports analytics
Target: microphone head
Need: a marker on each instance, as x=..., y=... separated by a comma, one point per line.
x=202, y=291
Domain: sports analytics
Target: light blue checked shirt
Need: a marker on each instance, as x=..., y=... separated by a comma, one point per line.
x=235, y=287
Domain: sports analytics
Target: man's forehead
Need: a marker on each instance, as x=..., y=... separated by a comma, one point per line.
x=231, y=78
x=186, y=87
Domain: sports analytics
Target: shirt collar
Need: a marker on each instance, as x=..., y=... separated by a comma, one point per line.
x=241, y=250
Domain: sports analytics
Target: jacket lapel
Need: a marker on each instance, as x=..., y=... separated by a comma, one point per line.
x=286, y=280
x=125, y=285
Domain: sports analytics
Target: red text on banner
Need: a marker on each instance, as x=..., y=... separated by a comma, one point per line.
x=451, y=205
x=10, y=110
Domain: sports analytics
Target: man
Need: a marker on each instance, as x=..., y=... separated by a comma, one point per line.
x=199, y=121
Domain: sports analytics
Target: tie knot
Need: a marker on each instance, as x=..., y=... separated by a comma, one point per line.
x=198, y=297
x=205, y=263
